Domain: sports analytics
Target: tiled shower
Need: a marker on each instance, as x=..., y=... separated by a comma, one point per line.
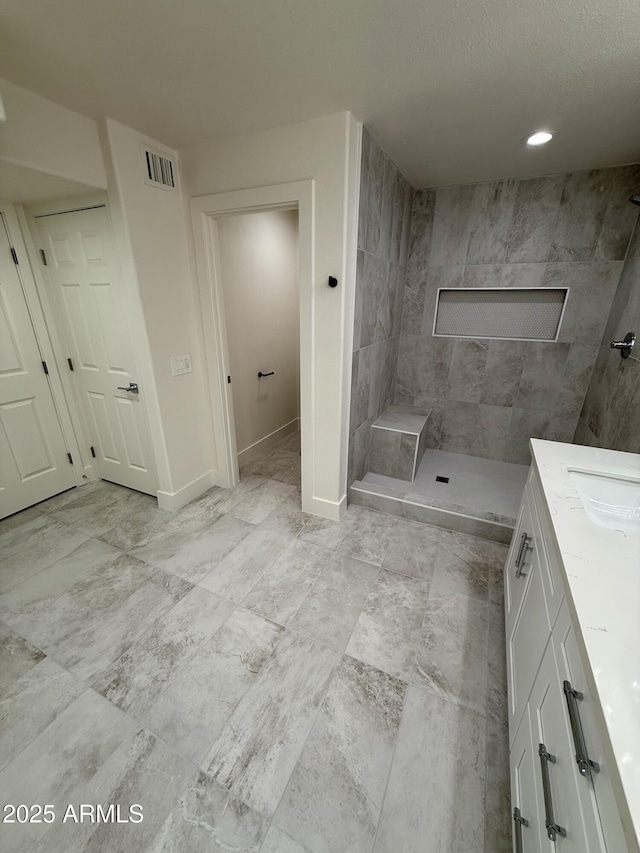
x=486, y=397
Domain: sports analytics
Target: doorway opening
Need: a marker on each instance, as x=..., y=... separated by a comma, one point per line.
x=213, y=216
x=258, y=260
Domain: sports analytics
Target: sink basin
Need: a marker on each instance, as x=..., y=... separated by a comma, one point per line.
x=610, y=500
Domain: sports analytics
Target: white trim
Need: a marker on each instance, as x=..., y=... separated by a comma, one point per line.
x=333, y=510
x=395, y=429
x=497, y=337
x=176, y=500
x=204, y=212
x=262, y=445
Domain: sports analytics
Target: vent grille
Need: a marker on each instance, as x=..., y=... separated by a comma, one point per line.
x=159, y=170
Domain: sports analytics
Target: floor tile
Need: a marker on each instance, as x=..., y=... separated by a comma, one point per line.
x=17, y=657
x=101, y=509
x=31, y=703
x=94, y=622
x=134, y=680
x=331, y=608
x=196, y=559
x=334, y=796
x=142, y=771
x=138, y=528
x=452, y=655
x=278, y=842
x=163, y=543
x=413, y=549
x=206, y=818
x=435, y=796
x=288, y=517
x=367, y=534
x=63, y=757
x=259, y=747
x=242, y=568
x=497, y=831
x=463, y=565
x=260, y=502
x=497, y=667
x=191, y=712
x=41, y=590
x=32, y=547
x=284, y=586
x=280, y=465
x=387, y=634
x=11, y=522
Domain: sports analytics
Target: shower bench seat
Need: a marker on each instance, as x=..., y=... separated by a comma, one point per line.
x=398, y=442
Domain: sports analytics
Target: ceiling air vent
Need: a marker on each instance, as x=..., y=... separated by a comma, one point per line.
x=159, y=170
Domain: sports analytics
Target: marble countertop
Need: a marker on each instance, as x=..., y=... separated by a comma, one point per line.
x=602, y=581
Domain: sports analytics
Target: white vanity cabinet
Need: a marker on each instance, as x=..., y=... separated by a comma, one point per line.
x=562, y=793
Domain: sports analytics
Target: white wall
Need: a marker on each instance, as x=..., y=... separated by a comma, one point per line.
x=152, y=242
x=326, y=150
x=50, y=138
x=259, y=266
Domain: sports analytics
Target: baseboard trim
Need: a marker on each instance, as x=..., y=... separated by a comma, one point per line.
x=264, y=444
x=333, y=510
x=175, y=500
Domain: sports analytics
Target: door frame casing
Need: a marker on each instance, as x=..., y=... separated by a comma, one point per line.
x=19, y=237
x=205, y=211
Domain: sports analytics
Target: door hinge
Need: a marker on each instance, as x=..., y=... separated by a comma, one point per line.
x=93, y=452
x=70, y=363
x=70, y=458
x=43, y=257
x=14, y=255
x=45, y=368
x=228, y=380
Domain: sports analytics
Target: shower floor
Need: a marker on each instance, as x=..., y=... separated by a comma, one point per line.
x=481, y=490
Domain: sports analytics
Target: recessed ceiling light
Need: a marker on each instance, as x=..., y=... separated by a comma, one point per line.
x=540, y=137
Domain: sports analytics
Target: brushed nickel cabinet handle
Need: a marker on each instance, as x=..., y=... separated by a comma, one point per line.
x=585, y=764
x=522, y=550
x=518, y=822
x=553, y=829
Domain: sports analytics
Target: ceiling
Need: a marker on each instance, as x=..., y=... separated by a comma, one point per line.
x=27, y=186
x=448, y=87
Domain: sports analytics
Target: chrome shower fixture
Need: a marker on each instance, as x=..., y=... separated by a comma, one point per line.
x=626, y=345
x=635, y=199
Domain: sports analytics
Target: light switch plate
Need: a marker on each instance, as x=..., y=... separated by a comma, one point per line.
x=180, y=364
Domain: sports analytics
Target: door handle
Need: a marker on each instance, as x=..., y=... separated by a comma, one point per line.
x=553, y=829
x=132, y=388
x=585, y=764
x=518, y=823
x=522, y=551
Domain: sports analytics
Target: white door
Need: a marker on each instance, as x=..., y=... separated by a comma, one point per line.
x=87, y=285
x=33, y=455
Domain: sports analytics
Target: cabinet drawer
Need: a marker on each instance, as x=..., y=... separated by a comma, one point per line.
x=578, y=827
x=548, y=551
x=526, y=641
x=524, y=792
x=595, y=785
x=521, y=560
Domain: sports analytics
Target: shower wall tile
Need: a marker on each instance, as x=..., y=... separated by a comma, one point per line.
x=374, y=200
x=620, y=218
x=384, y=228
x=582, y=210
x=451, y=222
x=610, y=416
x=535, y=214
x=488, y=397
x=491, y=215
x=364, y=189
x=467, y=369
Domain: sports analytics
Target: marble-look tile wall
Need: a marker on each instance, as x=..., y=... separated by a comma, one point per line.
x=383, y=237
x=488, y=397
x=611, y=413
